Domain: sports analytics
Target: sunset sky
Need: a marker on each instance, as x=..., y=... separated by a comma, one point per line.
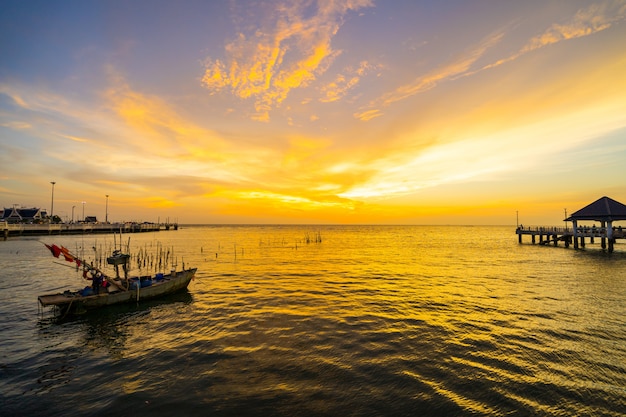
x=330, y=111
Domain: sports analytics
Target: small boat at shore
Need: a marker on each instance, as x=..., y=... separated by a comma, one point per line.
x=106, y=291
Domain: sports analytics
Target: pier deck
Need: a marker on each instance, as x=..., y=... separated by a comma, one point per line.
x=9, y=229
x=554, y=234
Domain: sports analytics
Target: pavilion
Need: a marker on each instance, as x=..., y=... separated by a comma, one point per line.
x=605, y=210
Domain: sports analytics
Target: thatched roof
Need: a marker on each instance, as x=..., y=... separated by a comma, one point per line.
x=601, y=210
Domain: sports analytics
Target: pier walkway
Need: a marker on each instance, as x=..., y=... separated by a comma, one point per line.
x=553, y=235
x=8, y=229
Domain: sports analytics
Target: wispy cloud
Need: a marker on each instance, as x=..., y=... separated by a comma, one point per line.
x=10, y=92
x=425, y=82
x=585, y=22
x=368, y=114
x=288, y=52
x=487, y=156
x=593, y=19
x=345, y=82
x=16, y=125
x=103, y=139
x=76, y=138
x=29, y=98
x=163, y=130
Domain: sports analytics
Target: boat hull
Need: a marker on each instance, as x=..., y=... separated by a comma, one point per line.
x=169, y=284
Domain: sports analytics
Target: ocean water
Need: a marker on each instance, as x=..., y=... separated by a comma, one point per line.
x=323, y=321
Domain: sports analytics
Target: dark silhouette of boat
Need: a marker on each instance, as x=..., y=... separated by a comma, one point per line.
x=108, y=291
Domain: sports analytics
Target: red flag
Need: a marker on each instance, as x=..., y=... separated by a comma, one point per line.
x=66, y=254
x=56, y=251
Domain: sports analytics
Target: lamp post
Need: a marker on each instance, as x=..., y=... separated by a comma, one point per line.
x=84, y=211
x=106, y=210
x=52, y=204
x=73, y=213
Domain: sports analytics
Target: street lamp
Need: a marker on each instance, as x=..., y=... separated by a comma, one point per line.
x=73, y=214
x=84, y=211
x=106, y=210
x=52, y=204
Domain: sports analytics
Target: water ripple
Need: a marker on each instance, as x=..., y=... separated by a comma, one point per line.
x=373, y=321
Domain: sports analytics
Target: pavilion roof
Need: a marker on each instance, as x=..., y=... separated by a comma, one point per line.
x=603, y=209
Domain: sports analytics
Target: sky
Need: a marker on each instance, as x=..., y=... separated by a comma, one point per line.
x=313, y=112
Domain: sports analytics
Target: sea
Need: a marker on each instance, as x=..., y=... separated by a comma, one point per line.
x=308, y=320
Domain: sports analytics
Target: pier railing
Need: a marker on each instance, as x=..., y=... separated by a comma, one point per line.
x=567, y=235
x=586, y=231
x=545, y=229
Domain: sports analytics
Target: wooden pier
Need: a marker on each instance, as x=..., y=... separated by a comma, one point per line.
x=8, y=229
x=604, y=211
x=552, y=235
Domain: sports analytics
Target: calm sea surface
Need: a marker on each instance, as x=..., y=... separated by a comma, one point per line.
x=371, y=321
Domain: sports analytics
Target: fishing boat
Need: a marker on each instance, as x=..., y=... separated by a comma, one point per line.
x=106, y=291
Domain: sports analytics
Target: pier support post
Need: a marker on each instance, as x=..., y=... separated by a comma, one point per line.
x=575, y=233
x=609, y=235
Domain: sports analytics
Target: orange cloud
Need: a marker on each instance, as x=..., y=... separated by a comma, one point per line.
x=343, y=83
x=168, y=133
x=288, y=53
x=587, y=21
x=368, y=114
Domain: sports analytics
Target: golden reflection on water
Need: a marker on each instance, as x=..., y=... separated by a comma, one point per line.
x=460, y=316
